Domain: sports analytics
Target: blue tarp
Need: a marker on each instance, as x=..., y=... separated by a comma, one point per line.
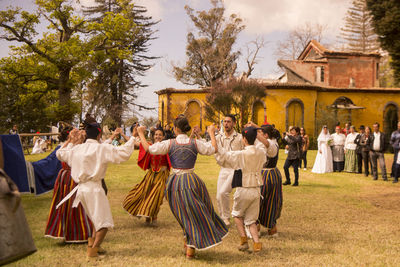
x=14, y=161
x=46, y=171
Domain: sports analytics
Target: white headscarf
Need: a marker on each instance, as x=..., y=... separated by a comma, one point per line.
x=324, y=137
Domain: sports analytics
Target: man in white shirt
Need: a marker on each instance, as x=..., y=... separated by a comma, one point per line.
x=378, y=146
x=88, y=162
x=229, y=140
x=246, y=206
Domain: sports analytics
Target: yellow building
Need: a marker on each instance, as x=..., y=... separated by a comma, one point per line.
x=320, y=87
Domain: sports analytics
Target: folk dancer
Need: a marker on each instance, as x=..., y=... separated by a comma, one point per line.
x=271, y=191
x=88, y=162
x=229, y=140
x=186, y=193
x=145, y=199
x=246, y=203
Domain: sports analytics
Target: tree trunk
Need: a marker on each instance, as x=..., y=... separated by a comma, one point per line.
x=64, y=95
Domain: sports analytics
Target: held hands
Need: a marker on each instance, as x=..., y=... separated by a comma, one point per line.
x=135, y=131
x=211, y=129
x=195, y=132
x=141, y=129
x=73, y=136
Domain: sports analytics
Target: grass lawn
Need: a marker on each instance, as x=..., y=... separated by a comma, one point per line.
x=329, y=220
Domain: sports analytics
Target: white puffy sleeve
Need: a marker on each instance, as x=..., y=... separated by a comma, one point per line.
x=64, y=154
x=204, y=148
x=118, y=154
x=160, y=148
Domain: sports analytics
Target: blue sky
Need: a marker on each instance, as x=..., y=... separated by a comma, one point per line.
x=269, y=19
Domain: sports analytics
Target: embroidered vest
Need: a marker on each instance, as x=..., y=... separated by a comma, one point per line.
x=183, y=156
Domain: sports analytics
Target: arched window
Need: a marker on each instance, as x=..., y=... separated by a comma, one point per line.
x=390, y=118
x=193, y=113
x=259, y=112
x=294, y=113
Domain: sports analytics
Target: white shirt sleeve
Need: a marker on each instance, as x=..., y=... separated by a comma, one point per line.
x=118, y=154
x=204, y=148
x=232, y=159
x=160, y=148
x=63, y=154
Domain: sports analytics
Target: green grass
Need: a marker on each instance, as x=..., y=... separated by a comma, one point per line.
x=329, y=220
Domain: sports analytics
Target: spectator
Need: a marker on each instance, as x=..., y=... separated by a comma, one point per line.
x=168, y=133
x=294, y=143
x=14, y=130
x=306, y=144
x=346, y=129
x=338, y=140
x=350, y=162
x=358, y=148
x=377, y=146
x=364, y=144
x=395, y=143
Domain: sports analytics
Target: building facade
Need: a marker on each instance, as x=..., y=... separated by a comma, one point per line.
x=320, y=87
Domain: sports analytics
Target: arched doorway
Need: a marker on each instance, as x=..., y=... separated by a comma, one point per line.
x=294, y=113
x=342, y=106
x=390, y=118
x=193, y=113
x=258, y=116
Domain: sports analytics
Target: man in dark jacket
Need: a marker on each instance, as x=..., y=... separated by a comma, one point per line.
x=358, y=149
x=378, y=147
x=294, y=141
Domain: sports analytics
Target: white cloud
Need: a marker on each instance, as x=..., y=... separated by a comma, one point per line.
x=267, y=16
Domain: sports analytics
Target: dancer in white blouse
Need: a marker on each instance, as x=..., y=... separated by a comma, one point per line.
x=88, y=162
x=323, y=162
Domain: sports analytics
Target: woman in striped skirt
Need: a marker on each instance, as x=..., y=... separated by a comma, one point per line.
x=145, y=199
x=271, y=190
x=67, y=223
x=186, y=193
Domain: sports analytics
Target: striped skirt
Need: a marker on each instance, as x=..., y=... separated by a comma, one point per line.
x=350, y=161
x=191, y=205
x=146, y=197
x=70, y=224
x=271, y=200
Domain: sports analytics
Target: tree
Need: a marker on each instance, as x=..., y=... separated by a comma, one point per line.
x=61, y=51
x=386, y=17
x=358, y=34
x=116, y=80
x=235, y=96
x=149, y=122
x=210, y=54
x=298, y=39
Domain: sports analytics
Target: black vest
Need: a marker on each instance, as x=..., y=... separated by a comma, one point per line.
x=271, y=162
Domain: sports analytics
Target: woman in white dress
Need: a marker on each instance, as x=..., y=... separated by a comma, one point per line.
x=323, y=162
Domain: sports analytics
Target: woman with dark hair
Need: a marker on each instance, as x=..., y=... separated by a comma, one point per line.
x=186, y=193
x=306, y=144
x=145, y=199
x=323, y=161
x=271, y=190
x=67, y=223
